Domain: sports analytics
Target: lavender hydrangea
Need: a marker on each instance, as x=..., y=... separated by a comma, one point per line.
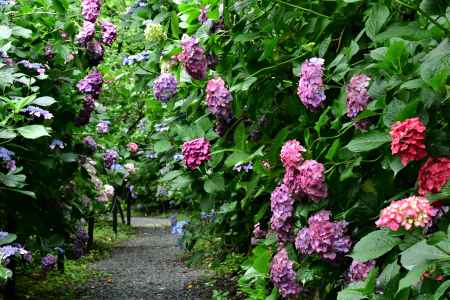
x=37, y=112
x=239, y=167
x=95, y=52
x=161, y=127
x=86, y=33
x=291, y=179
x=312, y=180
x=203, y=18
x=91, y=84
x=9, y=251
x=56, y=144
x=257, y=234
x=193, y=57
x=109, y=32
x=359, y=271
x=103, y=127
x=48, y=262
x=40, y=68
x=357, y=95
x=110, y=157
x=165, y=87
x=310, y=87
x=131, y=59
x=282, y=206
x=283, y=275
x=323, y=237
x=11, y=165
x=5, y=154
x=91, y=9
x=90, y=142
x=85, y=114
x=48, y=52
x=218, y=99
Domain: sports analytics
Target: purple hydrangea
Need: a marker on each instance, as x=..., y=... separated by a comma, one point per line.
x=218, y=99
x=95, y=52
x=239, y=167
x=103, y=127
x=86, y=33
x=11, y=165
x=291, y=179
x=323, y=237
x=48, y=262
x=193, y=57
x=8, y=251
x=310, y=87
x=203, y=18
x=165, y=87
x=91, y=9
x=282, y=206
x=109, y=32
x=359, y=271
x=91, y=84
x=37, y=112
x=90, y=142
x=357, y=95
x=85, y=113
x=48, y=52
x=5, y=154
x=312, y=180
x=195, y=152
x=258, y=234
x=283, y=275
x=40, y=68
x=110, y=157
x=56, y=144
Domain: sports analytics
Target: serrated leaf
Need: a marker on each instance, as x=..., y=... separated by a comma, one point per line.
x=378, y=16
x=374, y=245
x=368, y=141
x=214, y=184
x=33, y=131
x=419, y=254
x=162, y=146
x=413, y=277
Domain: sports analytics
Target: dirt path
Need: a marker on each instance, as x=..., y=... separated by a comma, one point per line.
x=147, y=267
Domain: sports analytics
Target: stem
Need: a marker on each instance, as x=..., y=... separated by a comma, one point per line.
x=275, y=66
x=302, y=8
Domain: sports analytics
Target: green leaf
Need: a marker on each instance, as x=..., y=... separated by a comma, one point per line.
x=396, y=165
x=8, y=239
x=333, y=149
x=60, y=5
x=436, y=65
x=240, y=136
x=22, y=32
x=171, y=175
x=44, y=101
x=69, y=157
x=235, y=158
x=214, y=184
x=440, y=291
x=368, y=141
x=391, y=112
x=33, y=131
x=374, y=245
x=262, y=259
x=162, y=146
x=174, y=25
x=7, y=134
x=5, y=273
x=388, y=274
x=350, y=295
x=413, y=277
x=5, y=32
x=378, y=16
x=420, y=254
x=396, y=55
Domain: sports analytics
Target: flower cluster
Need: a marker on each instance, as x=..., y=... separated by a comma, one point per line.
x=359, y=271
x=258, y=234
x=291, y=154
x=48, y=262
x=218, y=99
x=283, y=275
x=323, y=237
x=91, y=84
x=154, y=33
x=407, y=140
x=410, y=212
x=7, y=157
x=90, y=143
x=193, y=57
x=40, y=68
x=195, y=152
x=239, y=167
x=109, y=32
x=103, y=127
x=133, y=147
x=95, y=52
x=107, y=193
x=37, y=112
x=10, y=251
x=131, y=59
x=85, y=114
x=433, y=175
x=130, y=167
x=56, y=144
x=165, y=87
x=110, y=157
x=357, y=95
x=203, y=18
x=86, y=33
x=310, y=87
x=91, y=9
x=312, y=180
x=282, y=206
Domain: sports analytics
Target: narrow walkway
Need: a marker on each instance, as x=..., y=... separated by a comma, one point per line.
x=146, y=267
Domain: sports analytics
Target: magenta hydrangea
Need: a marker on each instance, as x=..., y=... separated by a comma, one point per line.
x=291, y=153
x=110, y=157
x=92, y=83
x=291, y=179
x=282, y=206
x=310, y=87
x=359, y=271
x=357, y=95
x=195, y=152
x=109, y=32
x=283, y=275
x=323, y=237
x=312, y=180
x=85, y=114
x=86, y=33
x=218, y=99
x=165, y=87
x=91, y=9
x=193, y=57
x=95, y=52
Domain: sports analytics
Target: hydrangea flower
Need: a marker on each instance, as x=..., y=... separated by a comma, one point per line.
x=283, y=275
x=357, y=95
x=258, y=234
x=291, y=153
x=91, y=9
x=218, y=99
x=291, y=179
x=239, y=167
x=90, y=142
x=195, y=152
x=160, y=127
x=11, y=165
x=8, y=251
x=109, y=32
x=165, y=87
x=131, y=59
x=310, y=87
x=312, y=180
x=92, y=83
x=95, y=52
x=323, y=237
x=410, y=212
x=85, y=114
x=40, y=68
x=407, y=140
x=154, y=33
x=37, y=112
x=433, y=175
x=86, y=33
x=193, y=57
x=103, y=127
x=48, y=262
x=178, y=157
x=203, y=18
x=282, y=206
x=110, y=157
x=130, y=167
x=80, y=243
x=56, y=144
x=48, y=52
x=359, y=271
x=6, y=154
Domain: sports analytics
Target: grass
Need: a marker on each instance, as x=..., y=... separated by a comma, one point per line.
x=31, y=284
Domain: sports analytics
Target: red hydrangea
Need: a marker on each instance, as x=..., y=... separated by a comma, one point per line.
x=407, y=213
x=282, y=206
x=433, y=175
x=283, y=275
x=193, y=57
x=291, y=153
x=195, y=152
x=408, y=138
x=218, y=98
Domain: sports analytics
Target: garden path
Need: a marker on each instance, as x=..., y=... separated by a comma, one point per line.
x=146, y=267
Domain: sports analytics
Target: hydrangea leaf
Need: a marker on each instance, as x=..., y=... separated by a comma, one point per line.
x=374, y=245
x=33, y=131
x=368, y=141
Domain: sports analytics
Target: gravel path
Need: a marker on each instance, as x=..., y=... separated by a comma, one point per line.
x=147, y=267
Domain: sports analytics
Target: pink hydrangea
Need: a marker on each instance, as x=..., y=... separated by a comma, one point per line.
x=282, y=206
x=132, y=147
x=292, y=179
x=86, y=33
x=195, y=152
x=357, y=95
x=291, y=153
x=433, y=175
x=407, y=140
x=193, y=57
x=218, y=99
x=283, y=275
x=312, y=180
x=109, y=32
x=310, y=87
x=91, y=9
x=359, y=271
x=407, y=213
